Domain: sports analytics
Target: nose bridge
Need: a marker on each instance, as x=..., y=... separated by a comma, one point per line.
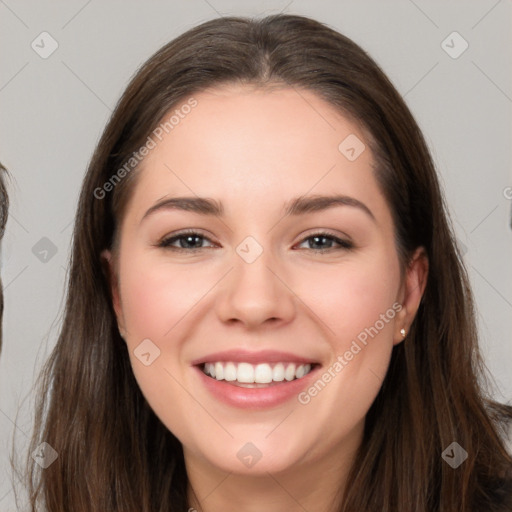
x=253, y=292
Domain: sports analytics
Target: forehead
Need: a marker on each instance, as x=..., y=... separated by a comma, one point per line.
x=255, y=147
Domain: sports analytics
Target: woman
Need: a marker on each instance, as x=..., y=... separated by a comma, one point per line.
x=320, y=351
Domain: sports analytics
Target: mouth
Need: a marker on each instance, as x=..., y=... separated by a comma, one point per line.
x=255, y=380
x=261, y=375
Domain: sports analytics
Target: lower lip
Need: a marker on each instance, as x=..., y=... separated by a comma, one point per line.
x=255, y=398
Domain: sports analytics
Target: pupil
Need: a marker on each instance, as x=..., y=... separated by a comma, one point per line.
x=317, y=238
x=189, y=239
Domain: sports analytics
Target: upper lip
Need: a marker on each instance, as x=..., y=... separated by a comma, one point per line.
x=246, y=356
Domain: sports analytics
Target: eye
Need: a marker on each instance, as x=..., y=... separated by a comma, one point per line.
x=187, y=240
x=192, y=241
x=319, y=239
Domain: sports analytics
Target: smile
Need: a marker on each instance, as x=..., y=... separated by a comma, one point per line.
x=255, y=380
x=256, y=375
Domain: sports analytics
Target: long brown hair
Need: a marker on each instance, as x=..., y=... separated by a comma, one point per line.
x=4, y=211
x=113, y=452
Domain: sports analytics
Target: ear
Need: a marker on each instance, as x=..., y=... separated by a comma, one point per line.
x=411, y=293
x=109, y=266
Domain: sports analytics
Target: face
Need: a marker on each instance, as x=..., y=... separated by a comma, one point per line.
x=290, y=303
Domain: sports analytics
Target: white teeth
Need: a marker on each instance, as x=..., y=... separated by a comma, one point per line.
x=263, y=373
x=245, y=373
x=219, y=371
x=278, y=372
x=210, y=369
x=230, y=372
x=289, y=373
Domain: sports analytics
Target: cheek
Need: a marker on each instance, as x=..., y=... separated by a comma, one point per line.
x=155, y=296
x=360, y=306
x=347, y=298
x=353, y=297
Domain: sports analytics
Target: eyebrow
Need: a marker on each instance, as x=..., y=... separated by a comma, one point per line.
x=297, y=206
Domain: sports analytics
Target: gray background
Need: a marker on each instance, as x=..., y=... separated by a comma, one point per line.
x=54, y=109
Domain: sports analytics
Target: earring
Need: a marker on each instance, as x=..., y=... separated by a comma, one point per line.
x=402, y=332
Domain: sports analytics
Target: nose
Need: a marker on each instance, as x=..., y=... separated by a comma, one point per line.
x=255, y=294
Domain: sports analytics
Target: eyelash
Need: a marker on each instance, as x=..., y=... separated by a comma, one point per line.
x=165, y=243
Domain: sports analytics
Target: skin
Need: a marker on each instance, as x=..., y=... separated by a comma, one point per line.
x=254, y=151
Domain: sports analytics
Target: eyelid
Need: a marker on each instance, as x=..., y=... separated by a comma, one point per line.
x=345, y=243
x=173, y=237
x=326, y=232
